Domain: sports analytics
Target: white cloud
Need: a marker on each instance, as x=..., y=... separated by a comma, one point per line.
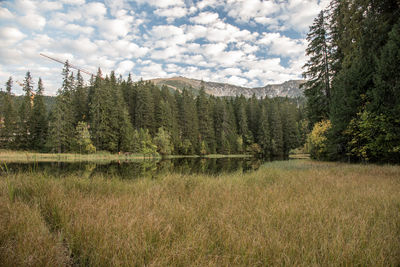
x=162, y=3
x=73, y=2
x=299, y=14
x=125, y=67
x=94, y=9
x=5, y=13
x=284, y=46
x=245, y=10
x=32, y=21
x=214, y=49
x=171, y=13
x=205, y=3
x=10, y=35
x=236, y=80
x=112, y=29
x=153, y=70
x=205, y=18
x=25, y=6
x=47, y=5
x=78, y=29
x=83, y=46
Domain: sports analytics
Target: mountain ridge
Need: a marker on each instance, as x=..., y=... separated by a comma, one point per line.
x=289, y=88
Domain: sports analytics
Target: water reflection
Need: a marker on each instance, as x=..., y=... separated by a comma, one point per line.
x=137, y=169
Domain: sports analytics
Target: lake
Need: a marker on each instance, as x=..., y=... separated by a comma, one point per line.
x=137, y=169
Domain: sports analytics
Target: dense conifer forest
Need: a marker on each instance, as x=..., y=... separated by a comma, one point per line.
x=353, y=81
x=116, y=115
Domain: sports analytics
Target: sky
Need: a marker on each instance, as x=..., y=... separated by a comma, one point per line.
x=243, y=42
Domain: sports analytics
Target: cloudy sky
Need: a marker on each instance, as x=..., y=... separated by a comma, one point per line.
x=243, y=42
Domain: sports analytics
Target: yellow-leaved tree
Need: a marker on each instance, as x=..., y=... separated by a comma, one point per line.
x=316, y=141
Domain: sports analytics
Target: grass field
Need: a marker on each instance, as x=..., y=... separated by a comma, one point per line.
x=298, y=212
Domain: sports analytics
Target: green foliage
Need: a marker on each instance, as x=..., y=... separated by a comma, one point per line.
x=374, y=137
x=317, y=140
x=82, y=138
x=363, y=38
x=163, y=142
x=113, y=115
x=318, y=70
x=39, y=123
x=9, y=124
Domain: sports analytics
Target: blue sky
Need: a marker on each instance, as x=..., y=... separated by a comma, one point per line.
x=243, y=42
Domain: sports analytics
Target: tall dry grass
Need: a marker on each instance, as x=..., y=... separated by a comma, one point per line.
x=287, y=213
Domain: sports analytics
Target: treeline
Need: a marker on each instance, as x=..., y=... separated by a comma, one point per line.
x=117, y=115
x=353, y=81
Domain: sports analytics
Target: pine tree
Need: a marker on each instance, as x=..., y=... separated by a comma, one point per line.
x=80, y=100
x=276, y=131
x=290, y=133
x=25, y=114
x=206, y=129
x=318, y=70
x=9, y=128
x=144, y=107
x=264, y=133
x=39, y=122
x=61, y=127
x=188, y=123
x=241, y=120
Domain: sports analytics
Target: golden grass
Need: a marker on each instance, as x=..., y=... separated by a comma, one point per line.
x=299, y=213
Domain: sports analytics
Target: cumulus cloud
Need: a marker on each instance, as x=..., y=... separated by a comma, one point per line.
x=171, y=13
x=114, y=28
x=282, y=45
x=163, y=3
x=205, y=18
x=5, y=13
x=50, y=6
x=10, y=35
x=245, y=10
x=258, y=42
x=73, y=2
x=32, y=21
x=125, y=67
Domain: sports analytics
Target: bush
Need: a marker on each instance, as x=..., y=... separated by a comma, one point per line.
x=317, y=140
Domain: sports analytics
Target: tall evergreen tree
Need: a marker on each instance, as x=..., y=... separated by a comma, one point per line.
x=39, y=122
x=276, y=131
x=61, y=128
x=206, y=129
x=264, y=133
x=80, y=100
x=25, y=114
x=318, y=70
x=9, y=128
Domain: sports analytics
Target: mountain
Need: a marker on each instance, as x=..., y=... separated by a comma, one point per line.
x=289, y=88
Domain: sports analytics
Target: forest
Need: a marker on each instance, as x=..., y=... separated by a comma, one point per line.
x=353, y=82
x=117, y=115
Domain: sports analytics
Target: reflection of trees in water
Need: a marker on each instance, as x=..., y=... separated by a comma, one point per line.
x=139, y=169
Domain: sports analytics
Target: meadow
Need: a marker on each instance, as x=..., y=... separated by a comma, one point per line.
x=297, y=212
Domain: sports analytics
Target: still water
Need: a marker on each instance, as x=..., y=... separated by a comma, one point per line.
x=137, y=169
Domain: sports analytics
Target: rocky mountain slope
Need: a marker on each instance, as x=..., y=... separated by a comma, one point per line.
x=289, y=88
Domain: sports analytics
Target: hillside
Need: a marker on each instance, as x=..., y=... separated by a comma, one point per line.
x=289, y=88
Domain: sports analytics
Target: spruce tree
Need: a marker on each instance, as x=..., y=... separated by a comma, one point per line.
x=206, y=129
x=318, y=70
x=264, y=133
x=9, y=128
x=61, y=128
x=39, y=122
x=25, y=114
